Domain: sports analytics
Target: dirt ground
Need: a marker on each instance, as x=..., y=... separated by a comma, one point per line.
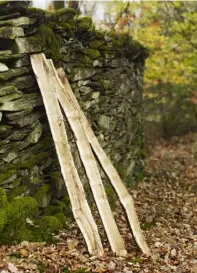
x=166, y=201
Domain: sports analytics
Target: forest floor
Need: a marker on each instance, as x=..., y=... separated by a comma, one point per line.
x=166, y=202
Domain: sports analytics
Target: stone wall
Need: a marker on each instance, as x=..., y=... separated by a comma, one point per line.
x=106, y=73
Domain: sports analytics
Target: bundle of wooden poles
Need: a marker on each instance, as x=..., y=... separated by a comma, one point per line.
x=56, y=91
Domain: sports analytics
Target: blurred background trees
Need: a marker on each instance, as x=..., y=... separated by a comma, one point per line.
x=169, y=30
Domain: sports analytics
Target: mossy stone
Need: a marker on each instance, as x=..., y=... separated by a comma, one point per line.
x=12, y=96
x=7, y=7
x=15, y=183
x=43, y=196
x=3, y=198
x=13, y=73
x=36, y=13
x=31, y=44
x=95, y=44
x=11, y=32
x=35, y=177
x=5, y=130
x=81, y=73
x=61, y=218
x=92, y=53
x=34, y=160
x=50, y=42
x=58, y=184
x=16, y=22
x=35, y=135
x=65, y=14
x=7, y=176
x=3, y=67
x=16, y=192
x=21, y=82
x=21, y=208
x=105, y=83
x=27, y=100
x=51, y=210
x=83, y=23
x=51, y=223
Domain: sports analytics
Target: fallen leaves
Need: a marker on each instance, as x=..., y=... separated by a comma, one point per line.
x=166, y=202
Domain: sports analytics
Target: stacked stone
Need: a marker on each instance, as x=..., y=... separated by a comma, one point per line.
x=26, y=152
x=106, y=74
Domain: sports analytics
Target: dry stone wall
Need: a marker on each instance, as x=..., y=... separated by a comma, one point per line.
x=106, y=74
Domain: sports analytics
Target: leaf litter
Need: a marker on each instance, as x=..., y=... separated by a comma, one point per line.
x=166, y=202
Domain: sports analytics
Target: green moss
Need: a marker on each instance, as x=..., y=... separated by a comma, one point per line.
x=34, y=160
x=95, y=44
x=112, y=196
x=16, y=192
x=130, y=48
x=104, y=83
x=92, y=53
x=51, y=223
x=66, y=13
x=13, y=224
x=7, y=175
x=3, y=198
x=44, y=144
x=3, y=219
x=43, y=195
x=25, y=234
x=99, y=35
x=61, y=218
x=20, y=208
x=35, y=13
x=85, y=60
x=50, y=42
x=83, y=23
x=51, y=210
x=16, y=182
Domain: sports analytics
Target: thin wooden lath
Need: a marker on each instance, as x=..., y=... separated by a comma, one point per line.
x=80, y=207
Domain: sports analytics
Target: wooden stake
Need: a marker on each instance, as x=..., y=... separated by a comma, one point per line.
x=90, y=165
x=76, y=193
x=122, y=192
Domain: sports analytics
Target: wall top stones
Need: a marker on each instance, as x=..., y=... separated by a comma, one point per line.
x=64, y=20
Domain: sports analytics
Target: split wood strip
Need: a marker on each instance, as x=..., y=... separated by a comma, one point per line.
x=122, y=192
x=90, y=165
x=80, y=207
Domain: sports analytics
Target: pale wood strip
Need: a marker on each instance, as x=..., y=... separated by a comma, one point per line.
x=122, y=192
x=76, y=193
x=90, y=165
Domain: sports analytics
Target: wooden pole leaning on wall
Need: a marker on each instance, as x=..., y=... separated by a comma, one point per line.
x=80, y=207
x=122, y=192
x=90, y=165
